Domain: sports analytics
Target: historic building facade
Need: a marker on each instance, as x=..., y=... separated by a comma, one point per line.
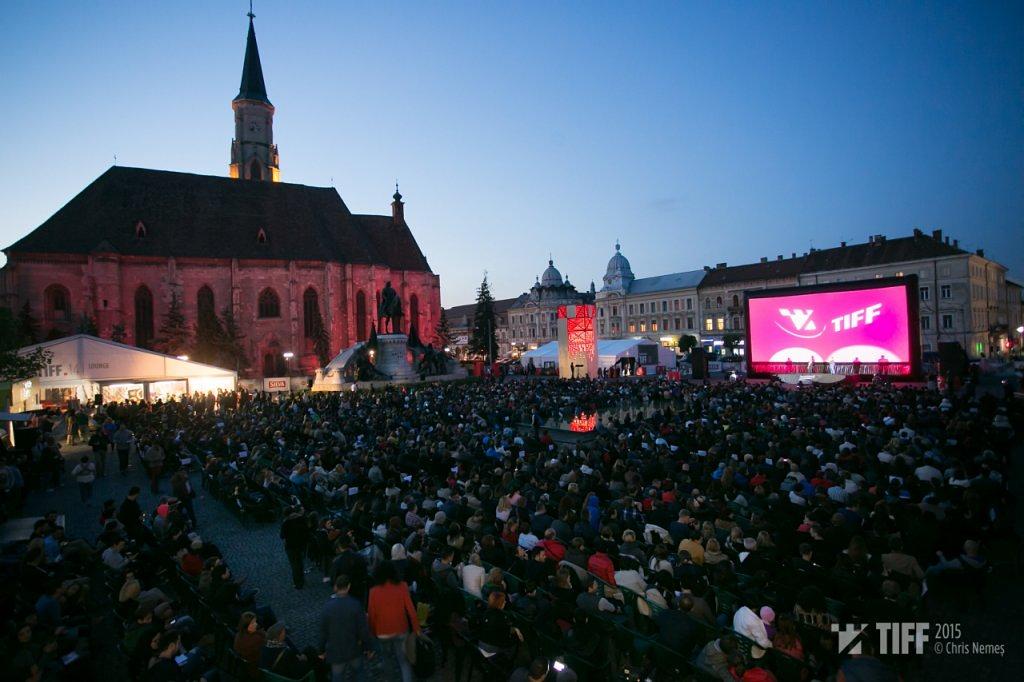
x=279, y=256
x=661, y=308
x=532, y=319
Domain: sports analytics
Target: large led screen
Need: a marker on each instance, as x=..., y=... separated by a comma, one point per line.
x=868, y=326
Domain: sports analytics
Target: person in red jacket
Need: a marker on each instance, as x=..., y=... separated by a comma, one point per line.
x=392, y=615
x=191, y=562
x=600, y=564
x=555, y=549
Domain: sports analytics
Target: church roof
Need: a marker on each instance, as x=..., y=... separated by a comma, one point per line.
x=252, y=86
x=188, y=215
x=670, y=282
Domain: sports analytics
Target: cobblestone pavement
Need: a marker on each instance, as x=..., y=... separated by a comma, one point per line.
x=253, y=550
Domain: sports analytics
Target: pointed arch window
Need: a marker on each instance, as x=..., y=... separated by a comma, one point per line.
x=360, y=316
x=140, y=230
x=143, y=317
x=255, y=170
x=269, y=304
x=261, y=236
x=205, y=302
x=57, y=303
x=310, y=312
x=414, y=314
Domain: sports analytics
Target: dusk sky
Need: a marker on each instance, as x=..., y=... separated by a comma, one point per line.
x=695, y=133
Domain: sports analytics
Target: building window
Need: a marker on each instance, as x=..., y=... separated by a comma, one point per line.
x=926, y=322
x=630, y=308
x=654, y=325
x=310, y=313
x=720, y=324
x=57, y=303
x=735, y=323
x=718, y=302
x=677, y=324
x=143, y=317
x=925, y=293
x=360, y=316
x=707, y=303
x=946, y=291
x=632, y=329
x=205, y=303
x=140, y=230
x=735, y=301
x=709, y=324
x=600, y=312
x=664, y=306
x=269, y=304
x=689, y=323
x=615, y=311
x=947, y=321
x=689, y=304
x=643, y=326
x=414, y=313
x=675, y=304
x=641, y=308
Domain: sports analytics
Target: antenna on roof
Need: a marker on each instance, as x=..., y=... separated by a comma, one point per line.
x=115, y=159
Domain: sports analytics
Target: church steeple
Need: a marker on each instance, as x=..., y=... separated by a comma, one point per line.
x=253, y=152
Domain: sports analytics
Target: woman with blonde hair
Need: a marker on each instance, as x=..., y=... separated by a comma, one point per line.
x=713, y=553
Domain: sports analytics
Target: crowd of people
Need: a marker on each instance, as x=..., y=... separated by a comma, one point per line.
x=706, y=531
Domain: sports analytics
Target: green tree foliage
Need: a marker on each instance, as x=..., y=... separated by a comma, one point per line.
x=15, y=367
x=174, y=335
x=484, y=341
x=28, y=326
x=443, y=331
x=686, y=343
x=321, y=338
x=87, y=325
x=232, y=351
x=118, y=333
x=209, y=338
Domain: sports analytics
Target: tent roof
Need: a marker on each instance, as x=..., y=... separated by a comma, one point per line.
x=147, y=364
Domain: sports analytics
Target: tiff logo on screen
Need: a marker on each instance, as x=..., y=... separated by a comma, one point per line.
x=854, y=319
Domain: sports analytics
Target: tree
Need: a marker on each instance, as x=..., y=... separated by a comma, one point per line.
x=118, y=333
x=730, y=341
x=443, y=331
x=686, y=343
x=14, y=367
x=484, y=340
x=209, y=337
x=87, y=325
x=174, y=335
x=232, y=352
x=321, y=339
x=371, y=343
x=28, y=328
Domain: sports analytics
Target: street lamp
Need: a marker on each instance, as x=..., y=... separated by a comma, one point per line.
x=183, y=357
x=288, y=355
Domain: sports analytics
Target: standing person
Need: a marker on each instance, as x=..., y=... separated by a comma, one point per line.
x=123, y=439
x=182, y=488
x=392, y=614
x=154, y=460
x=98, y=443
x=295, y=533
x=85, y=474
x=344, y=634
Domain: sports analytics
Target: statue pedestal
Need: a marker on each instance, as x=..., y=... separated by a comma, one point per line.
x=392, y=357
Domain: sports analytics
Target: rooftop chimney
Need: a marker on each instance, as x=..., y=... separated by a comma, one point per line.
x=918, y=232
x=842, y=244
x=947, y=240
x=764, y=259
x=721, y=266
x=871, y=239
x=793, y=255
x=779, y=257
x=707, y=268
x=956, y=243
x=937, y=235
x=981, y=252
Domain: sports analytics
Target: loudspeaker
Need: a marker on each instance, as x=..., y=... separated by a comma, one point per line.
x=952, y=358
x=699, y=363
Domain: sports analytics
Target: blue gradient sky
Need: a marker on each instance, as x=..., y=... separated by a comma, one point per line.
x=695, y=133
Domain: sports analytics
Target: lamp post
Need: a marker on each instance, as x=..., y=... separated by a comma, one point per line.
x=288, y=355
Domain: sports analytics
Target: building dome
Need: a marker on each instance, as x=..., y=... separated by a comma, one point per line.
x=551, y=277
x=618, y=275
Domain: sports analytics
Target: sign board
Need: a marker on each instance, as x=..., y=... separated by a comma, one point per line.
x=275, y=384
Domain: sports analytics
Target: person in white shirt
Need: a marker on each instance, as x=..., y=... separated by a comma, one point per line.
x=749, y=624
x=473, y=575
x=927, y=473
x=85, y=474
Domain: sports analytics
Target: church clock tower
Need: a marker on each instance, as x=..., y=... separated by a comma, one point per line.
x=253, y=152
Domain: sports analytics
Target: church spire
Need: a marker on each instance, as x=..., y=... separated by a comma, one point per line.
x=253, y=152
x=253, y=87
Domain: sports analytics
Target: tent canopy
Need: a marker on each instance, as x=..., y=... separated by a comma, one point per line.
x=88, y=358
x=609, y=352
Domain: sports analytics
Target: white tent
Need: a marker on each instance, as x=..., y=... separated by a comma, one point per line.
x=609, y=352
x=83, y=366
